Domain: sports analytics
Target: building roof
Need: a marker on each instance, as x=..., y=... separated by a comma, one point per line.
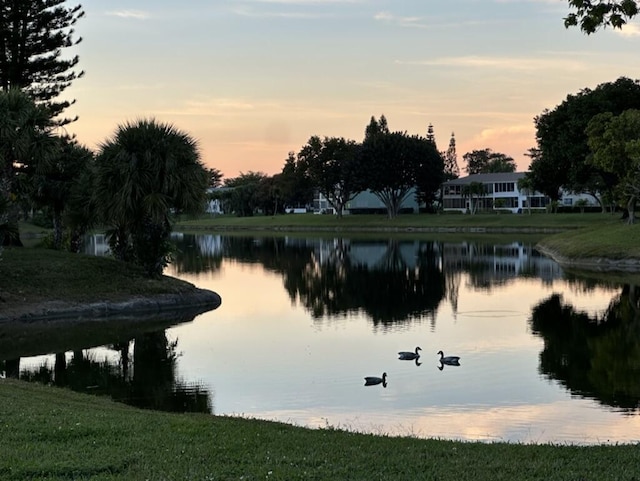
x=487, y=178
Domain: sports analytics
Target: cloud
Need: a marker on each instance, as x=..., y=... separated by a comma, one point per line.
x=513, y=140
x=308, y=2
x=246, y=7
x=217, y=106
x=418, y=22
x=510, y=131
x=504, y=63
x=141, y=86
x=250, y=12
x=629, y=30
x=137, y=14
x=550, y=2
x=425, y=22
x=388, y=17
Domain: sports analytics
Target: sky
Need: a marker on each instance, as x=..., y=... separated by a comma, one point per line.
x=252, y=80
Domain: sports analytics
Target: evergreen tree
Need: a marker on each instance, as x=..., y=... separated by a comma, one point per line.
x=33, y=35
x=451, y=169
x=431, y=136
x=376, y=127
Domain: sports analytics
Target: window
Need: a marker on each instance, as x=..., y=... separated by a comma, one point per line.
x=452, y=190
x=504, y=187
x=453, y=203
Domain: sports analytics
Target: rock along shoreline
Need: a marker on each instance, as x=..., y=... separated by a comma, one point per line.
x=196, y=300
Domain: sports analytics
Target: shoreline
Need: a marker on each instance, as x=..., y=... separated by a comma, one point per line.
x=197, y=300
x=592, y=264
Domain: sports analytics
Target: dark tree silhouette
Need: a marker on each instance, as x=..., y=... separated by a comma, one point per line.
x=33, y=36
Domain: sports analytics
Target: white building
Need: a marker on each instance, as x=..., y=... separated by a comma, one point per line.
x=365, y=202
x=500, y=193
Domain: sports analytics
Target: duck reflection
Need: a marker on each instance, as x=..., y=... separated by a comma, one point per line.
x=442, y=365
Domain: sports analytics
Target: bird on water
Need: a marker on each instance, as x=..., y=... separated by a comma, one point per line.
x=450, y=360
x=374, y=380
x=408, y=355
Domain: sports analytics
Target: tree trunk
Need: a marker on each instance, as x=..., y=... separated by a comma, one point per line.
x=75, y=242
x=57, y=229
x=631, y=205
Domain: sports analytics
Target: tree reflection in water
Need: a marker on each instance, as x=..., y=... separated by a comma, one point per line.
x=150, y=382
x=389, y=289
x=593, y=356
x=391, y=281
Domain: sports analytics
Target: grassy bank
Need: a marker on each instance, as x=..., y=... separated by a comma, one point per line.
x=614, y=241
x=55, y=434
x=415, y=221
x=571, y=235
x=29, y=276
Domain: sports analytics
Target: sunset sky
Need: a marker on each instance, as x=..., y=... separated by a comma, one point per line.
x=252, y=80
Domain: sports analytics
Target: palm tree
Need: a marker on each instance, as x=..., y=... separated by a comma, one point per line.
x=55, y=184
x=525, y=185
x=473, y=190
x=26, y=145
x=146, y=172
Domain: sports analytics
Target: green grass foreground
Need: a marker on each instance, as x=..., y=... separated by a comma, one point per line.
x=53, y=434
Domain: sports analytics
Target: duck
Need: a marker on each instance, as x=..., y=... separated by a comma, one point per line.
x=450, y=360
x=408, y=355
x=373, y=380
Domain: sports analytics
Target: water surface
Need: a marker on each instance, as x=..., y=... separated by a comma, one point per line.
x=546, y=356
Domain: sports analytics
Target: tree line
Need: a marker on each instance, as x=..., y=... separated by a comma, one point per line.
x=393, y=165
x=590, y=143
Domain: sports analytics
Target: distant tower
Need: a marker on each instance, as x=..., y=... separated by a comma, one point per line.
x=451, y=169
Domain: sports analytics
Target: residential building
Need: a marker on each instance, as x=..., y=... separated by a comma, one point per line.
x=215, y=203
x=501, y=193
x=365, y=202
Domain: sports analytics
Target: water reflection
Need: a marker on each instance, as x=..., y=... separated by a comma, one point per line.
x=593, y=355
x=545, y=355
x=389, y=280
x=138, y=369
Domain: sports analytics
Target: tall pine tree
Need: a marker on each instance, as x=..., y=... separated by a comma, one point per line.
x=451, y=169
x=431, y=137
x=33, y=36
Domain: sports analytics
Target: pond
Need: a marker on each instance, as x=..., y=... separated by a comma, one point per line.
x=545, y=355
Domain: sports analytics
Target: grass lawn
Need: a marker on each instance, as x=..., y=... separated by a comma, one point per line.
x=416, y=221
x=30, y=276
x=53, y=434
